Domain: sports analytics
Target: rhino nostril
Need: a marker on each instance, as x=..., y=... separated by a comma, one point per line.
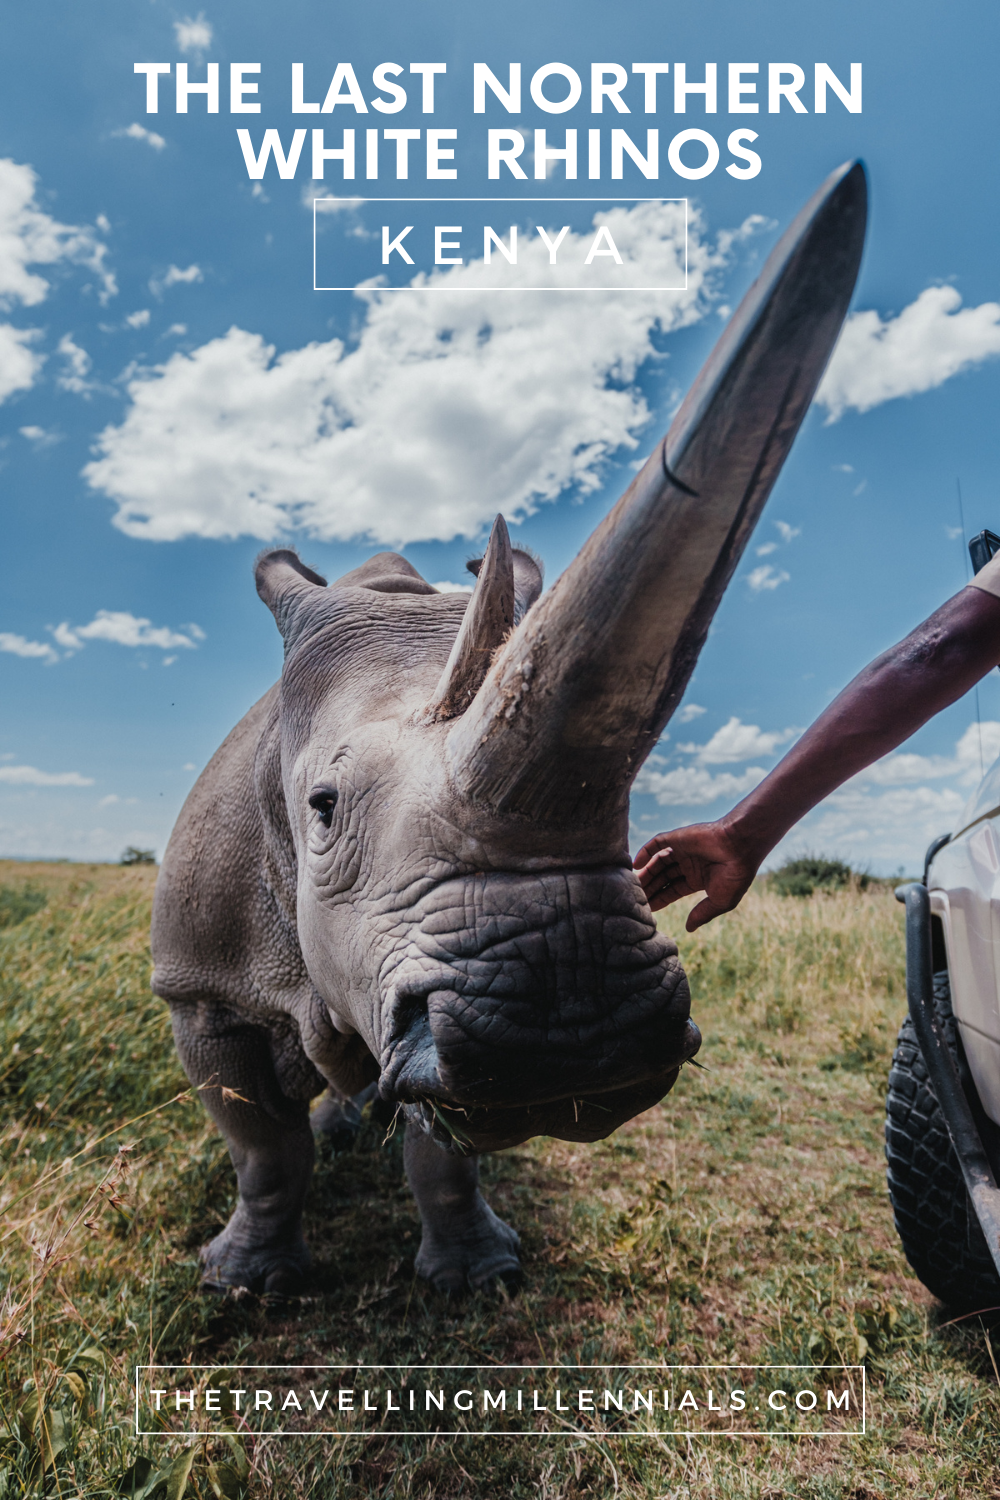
x=411, y=1011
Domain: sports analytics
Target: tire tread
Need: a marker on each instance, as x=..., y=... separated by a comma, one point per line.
x=935, y=1220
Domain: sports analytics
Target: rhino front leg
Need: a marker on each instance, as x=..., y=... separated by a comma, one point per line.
x=270, y=1144
x=464, y=1244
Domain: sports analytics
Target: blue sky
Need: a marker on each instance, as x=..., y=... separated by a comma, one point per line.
x=151, y=442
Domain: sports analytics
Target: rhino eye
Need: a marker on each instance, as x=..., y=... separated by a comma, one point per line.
x=324, y=800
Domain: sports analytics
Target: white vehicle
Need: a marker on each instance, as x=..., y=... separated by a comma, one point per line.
x=942, y=1132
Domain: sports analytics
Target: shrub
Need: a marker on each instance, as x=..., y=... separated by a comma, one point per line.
x=800, y=877
x=134, y=856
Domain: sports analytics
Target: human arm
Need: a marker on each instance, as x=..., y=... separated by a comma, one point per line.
x=887, y=702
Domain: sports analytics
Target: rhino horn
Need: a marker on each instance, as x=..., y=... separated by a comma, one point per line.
x=487, y=621
x=529, y=576
x=583, y=688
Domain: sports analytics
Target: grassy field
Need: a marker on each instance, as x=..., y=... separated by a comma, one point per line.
x=744, y=1219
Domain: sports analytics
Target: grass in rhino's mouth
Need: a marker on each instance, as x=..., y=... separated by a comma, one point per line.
x=451, y=1124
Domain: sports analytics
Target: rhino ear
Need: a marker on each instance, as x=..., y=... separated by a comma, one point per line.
x=284, y=583
x=529, y=574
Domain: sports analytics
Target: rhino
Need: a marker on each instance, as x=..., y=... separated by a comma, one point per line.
x=407, y=867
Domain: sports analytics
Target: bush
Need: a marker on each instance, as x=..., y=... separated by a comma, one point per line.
x=800, y=877
x=134, y=856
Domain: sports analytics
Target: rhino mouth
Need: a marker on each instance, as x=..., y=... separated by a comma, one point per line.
x=590, y=1116
x=530, y=996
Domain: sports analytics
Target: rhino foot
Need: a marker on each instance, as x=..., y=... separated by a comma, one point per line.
x=230, y=1260
x=477, y=1254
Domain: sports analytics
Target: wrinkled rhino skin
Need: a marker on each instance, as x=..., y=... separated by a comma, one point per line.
x=262, y=1028
x=408, y=864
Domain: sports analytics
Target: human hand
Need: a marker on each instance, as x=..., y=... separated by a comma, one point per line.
x=703, y=857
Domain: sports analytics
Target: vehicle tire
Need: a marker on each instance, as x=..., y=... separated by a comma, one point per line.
x=934, y=1217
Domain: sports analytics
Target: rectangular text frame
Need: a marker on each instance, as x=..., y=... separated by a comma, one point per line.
x=357, y=198
x=674, y=1432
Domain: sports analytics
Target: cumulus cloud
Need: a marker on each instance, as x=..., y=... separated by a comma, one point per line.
x=446, y=410
x=454, y=588
x=932, y=339
x=138, y=319
x=888, y=814
x=76, y=367
x=136, y=132
x=890, y=828
x=690, y=786
x=690, y=711
x=766, y=577
x=38, y=437
x=174, y=276
x=29, y=237
x=736, y=741
x=974, y=753
x=18, y=645
x=30, y=776
x=19, y=364
x=193, y=35
x=125, y=629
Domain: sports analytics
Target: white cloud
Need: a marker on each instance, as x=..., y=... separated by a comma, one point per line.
x=689, y=786
x=737, y=741
x=174, y=276
x=76, y=368
x=974, y=753
x=193, y=35
x=454, y=588
x=138, y=319
x=176, y=330
x=929, y=341
x=124, y=629
x=109, y=801
x=688, y=712
x=18, y=364
x=446, y=410
x=887, y=815
x=29, y=776
x=31, y=237
x=38, y=437
x=136, y=132
x=765, y=577
x=17, y=645
x=884, y=828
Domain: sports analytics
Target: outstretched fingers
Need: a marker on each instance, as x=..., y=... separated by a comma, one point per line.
x=702, y=857
x=663, y=880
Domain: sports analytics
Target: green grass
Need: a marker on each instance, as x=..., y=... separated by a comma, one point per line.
x=744, y=1219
